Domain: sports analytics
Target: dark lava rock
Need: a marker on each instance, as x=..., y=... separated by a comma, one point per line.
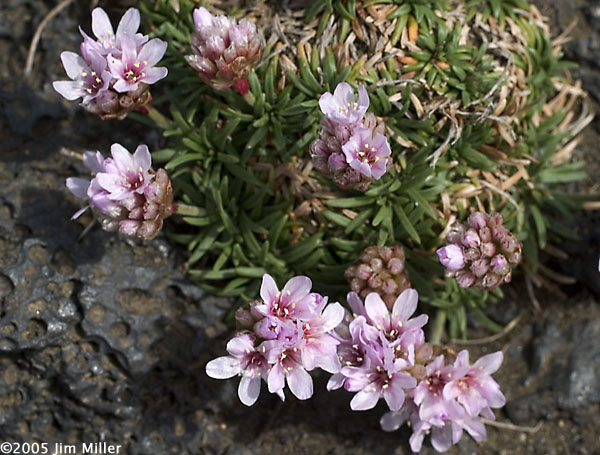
x=564, y=377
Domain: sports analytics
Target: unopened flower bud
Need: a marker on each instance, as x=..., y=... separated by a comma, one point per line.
x=364, y=271
x=396, y=266
x=376, y=265
x=499, y=264
x=465, y=279
x=477, y=220
x=480, y=267
x=509, y=243
x=515, y=258
x=472, y=254
x=374, y=282
x=499, y=232
x=471, y=239
x=389, y=287
x=383, y=270
x=495, y=219
x=485, y=234
x=488, y=249
x=336, y=163
x=490, y=280
x=451, y=257
x=244, y=318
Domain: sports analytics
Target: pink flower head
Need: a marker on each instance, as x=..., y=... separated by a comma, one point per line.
x=380, y=376
x=429, y=394
x=452, y=257
x=108, y=42
x=393, y=326
x=285, y=365
x=320, y=346
x=293, y=301
x=89, y=78
x=224, y=51
x=244, y=360
x=474, y=388
x=97, y=195
x=341, y=107
x=134, y=67
x=125, y=174
x=367, y=153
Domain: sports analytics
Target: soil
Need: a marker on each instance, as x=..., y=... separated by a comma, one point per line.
x=104, y=339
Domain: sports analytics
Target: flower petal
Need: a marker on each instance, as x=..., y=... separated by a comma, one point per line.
x=394, y=396
x=296, y=289
x=153, y=75
x=377, y=311
x=122, y=158
x=364, y=400
x=142, y=158
x=129, y=23
x=404, y=306
x=74, y=64
x=268, y=289
x=101, y=25
x=392, y=420
x=249, y=389
x=70, y=90
x=78, y=186
x=94, y=161
x=223, y=367
x=490, y=363
x=152, y=52
x=441, y=438
x=300, y=382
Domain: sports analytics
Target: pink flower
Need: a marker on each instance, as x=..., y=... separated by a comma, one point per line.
x=341, y=107
x=125, y=194
x=89, y=78
x=294, y=301
x=134, y=67
x=475, y=389
x=125, y=174
x=108, y=42
x=367, y=153
x=244, y=360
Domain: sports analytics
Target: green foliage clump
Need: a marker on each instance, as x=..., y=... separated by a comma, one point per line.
x=478, y=106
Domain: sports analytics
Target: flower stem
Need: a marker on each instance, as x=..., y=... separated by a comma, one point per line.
x=437, y=329
x=158, y=118
x=189, y=210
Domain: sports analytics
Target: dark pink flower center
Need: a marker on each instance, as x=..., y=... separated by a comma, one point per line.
x=135, y=72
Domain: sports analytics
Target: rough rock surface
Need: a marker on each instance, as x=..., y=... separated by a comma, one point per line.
x=104, y=339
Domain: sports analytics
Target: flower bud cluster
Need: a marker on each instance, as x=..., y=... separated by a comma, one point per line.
x=480, y=253
x=125, y=194
x=283, y=335
x=386, y=356
x=380, y=269
x=224, y=51
x=114, y=72
x=352, y=147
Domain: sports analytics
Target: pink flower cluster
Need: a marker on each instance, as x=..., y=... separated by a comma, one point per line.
x=125, y=194
x=375, y=353
x=352, y=148
x=224, y=51
x=385, y=356
x=285, y=334
x=114, y=71
x=480, y=253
